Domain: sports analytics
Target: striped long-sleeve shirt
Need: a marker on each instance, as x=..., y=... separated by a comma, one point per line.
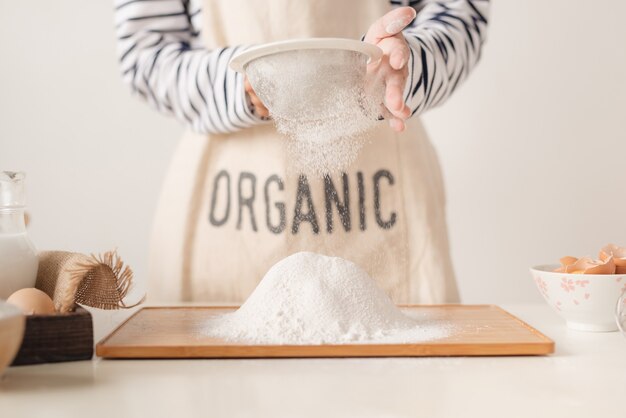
x=163, y=59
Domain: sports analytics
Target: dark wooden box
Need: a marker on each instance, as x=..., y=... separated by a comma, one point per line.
x=56, y=338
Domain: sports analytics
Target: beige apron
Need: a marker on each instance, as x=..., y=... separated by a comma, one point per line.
x=230, y=209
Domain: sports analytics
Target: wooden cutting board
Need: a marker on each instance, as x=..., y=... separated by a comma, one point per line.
x=177, y=332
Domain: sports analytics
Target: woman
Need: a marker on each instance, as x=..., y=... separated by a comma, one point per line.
x=229, y=209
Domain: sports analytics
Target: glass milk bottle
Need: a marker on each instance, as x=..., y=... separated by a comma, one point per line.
x=18, y=257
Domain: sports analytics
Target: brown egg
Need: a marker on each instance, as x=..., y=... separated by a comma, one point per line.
x=32, y=301
x=618, y=254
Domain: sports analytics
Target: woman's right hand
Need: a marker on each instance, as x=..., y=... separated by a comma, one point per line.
x=259, y=108
x=386, y=33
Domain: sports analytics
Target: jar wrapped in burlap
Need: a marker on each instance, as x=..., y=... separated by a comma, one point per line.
x=100, y=281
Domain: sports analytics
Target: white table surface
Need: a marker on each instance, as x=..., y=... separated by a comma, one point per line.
x=586, y=377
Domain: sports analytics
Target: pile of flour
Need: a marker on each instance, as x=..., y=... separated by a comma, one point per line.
x=309, y=298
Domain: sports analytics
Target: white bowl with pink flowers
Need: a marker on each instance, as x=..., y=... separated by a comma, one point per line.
x=586, y=301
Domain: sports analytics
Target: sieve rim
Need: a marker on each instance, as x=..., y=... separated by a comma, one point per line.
x=240, y=60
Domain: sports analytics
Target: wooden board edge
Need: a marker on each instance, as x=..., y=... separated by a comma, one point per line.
x=117, y=328
x=326, y=351
x=139, y=352
x=403, y=305
x=178, y=307
x=529, y=327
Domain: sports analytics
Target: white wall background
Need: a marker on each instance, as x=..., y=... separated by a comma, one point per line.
x=533, y=145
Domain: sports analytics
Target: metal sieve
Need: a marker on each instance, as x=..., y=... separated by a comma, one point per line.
x=308, y=78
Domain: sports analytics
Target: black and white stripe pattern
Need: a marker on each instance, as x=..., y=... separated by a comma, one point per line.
x=164, y=61
x=446, y=39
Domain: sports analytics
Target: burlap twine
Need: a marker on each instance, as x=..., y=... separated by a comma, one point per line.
x=100, y=281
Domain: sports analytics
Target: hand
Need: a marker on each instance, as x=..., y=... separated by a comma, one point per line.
x=259, y=107
x=392, y=69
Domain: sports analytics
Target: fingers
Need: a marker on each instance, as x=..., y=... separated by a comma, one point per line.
x=395, y=82
x=259, y=107
x=397, y=124
x=394, y=91
x=397, y=49
x=247, y=85
x=386, y=33
x=390, y=24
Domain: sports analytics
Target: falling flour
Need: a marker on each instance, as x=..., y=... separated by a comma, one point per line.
x=322, y=102
x=309, y=298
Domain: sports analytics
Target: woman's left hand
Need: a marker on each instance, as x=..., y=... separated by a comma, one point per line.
x=392, y=69
x=258, y=106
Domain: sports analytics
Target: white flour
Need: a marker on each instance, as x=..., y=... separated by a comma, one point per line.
x=309, y=298
x=321, y=102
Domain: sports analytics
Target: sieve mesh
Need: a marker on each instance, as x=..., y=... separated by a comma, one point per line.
x=320, y=99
